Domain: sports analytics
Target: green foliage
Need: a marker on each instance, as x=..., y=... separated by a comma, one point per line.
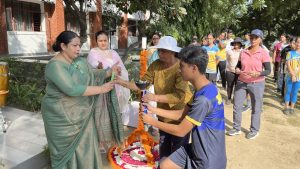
x=274, y=17
x=25, y=96
x=182, y=19
x=202, y=17
x=133, y=68
x=26, y=84
x=172, y=10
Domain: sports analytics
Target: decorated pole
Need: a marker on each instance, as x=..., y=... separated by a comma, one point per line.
x=139, y=149
x=143, y=58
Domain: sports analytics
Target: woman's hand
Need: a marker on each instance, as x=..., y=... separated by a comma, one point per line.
x=116, y=68
x=106, y=87
x=147, y=118
x=294, y=79
x=238, y=71
x=100, y=65
x=254, y=74
x=118, y=80
x=149, y=97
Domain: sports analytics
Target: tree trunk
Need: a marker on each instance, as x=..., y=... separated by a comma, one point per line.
x=123, y=33
x=83, y=27
x=79, y=13
x=99, y=13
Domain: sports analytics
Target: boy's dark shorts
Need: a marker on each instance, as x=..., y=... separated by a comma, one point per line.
x=181, y=158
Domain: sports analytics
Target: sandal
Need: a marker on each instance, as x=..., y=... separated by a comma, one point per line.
x=286, y=111
x=292, y=111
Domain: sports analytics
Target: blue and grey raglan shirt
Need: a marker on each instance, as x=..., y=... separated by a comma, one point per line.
x=208, y=135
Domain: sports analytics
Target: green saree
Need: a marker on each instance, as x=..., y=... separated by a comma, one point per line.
x=76, y=125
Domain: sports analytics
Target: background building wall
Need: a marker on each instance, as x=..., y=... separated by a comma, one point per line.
x=55, y=21
x=28, y=42
x=22, y=42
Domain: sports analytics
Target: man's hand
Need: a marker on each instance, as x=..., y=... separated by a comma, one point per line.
x=118, y=80
x=150, y=109
x=149, y=97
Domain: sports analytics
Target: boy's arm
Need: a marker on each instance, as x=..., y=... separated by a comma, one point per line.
x=180, y=130
x=196, y=114
x=170, y=114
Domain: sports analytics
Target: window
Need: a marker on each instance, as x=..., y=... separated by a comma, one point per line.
x=22, y=16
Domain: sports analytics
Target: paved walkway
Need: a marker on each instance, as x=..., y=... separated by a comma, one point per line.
x=22, y=146
x=277, y=146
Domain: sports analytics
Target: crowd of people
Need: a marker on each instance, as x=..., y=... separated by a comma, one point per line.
x=86, y=97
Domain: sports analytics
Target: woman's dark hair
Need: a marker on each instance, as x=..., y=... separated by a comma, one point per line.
x=195, y=55
x=229, y=31
x=159, y=34
x=100, y=33
x=64, y=37
x=289, y=38
x=284, y=34
x=212, y=34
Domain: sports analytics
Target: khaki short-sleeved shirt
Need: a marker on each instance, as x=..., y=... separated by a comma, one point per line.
x=169, y=82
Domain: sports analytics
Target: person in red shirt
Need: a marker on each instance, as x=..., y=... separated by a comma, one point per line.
x=276, y=54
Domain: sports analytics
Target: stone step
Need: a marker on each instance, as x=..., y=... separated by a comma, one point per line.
x=23, y=145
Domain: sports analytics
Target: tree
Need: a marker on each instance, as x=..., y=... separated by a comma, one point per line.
x=203, y=17
x=182, y=19
x=274, y=16
x=172, y=10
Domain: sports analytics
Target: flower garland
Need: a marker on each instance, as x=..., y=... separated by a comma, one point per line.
x=145, y=139
x=139, y=134
x=143, y=63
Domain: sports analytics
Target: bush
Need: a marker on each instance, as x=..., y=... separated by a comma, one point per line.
x=26, y=84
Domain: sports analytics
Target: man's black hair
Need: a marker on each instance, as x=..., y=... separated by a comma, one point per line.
x=195, y=55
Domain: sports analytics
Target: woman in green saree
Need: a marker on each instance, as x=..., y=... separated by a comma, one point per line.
x=69, y=107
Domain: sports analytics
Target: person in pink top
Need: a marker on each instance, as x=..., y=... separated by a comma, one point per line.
x=276, y=54
x=253, y=65
x=232, y=58
x=102, y=57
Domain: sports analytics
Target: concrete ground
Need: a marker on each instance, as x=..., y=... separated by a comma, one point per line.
x=277, y=146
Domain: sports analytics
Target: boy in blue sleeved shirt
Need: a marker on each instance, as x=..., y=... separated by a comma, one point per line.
x=203, y=117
